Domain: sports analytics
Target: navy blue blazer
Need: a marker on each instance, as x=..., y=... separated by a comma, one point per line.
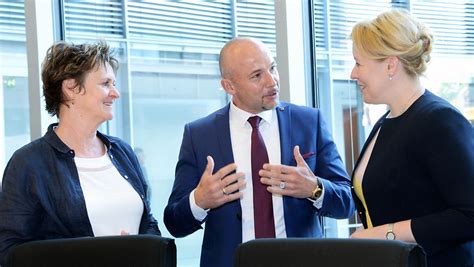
x=298, y=125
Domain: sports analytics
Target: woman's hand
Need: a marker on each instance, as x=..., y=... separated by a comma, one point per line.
x=372, y=233
x=401, y=229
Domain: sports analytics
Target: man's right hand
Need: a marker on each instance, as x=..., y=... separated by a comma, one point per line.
x=219, y=188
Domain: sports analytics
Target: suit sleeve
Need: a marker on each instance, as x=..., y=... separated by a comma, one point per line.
x=448, y=152
x=337, y=202
x=178, y=216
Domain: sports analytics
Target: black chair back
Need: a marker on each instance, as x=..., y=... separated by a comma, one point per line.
x=116, y=251
x=328, y=252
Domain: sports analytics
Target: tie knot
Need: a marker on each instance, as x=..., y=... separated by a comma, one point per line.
x=254, y=121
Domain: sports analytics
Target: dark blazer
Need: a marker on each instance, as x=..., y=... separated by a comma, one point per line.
x=422, y=168
x=223, y=232
x=42, y=196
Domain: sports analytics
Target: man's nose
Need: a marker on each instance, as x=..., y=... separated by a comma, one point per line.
x=271, y=79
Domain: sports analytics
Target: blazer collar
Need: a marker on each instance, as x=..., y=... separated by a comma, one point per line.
x=222, y=130
x=377, y=125
x=53, y=140
x=284, y=125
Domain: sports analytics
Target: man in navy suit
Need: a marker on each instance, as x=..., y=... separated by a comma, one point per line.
x=213, y=184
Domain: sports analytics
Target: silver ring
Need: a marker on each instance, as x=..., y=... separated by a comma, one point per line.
x=224, y=191
x=282, y=185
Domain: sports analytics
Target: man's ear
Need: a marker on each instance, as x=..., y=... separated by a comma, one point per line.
x=227, y=86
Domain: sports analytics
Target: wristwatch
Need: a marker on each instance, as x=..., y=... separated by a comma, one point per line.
x=316, y=193
x=390, y=235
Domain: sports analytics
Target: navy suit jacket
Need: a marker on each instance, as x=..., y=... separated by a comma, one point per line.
x=298, y=125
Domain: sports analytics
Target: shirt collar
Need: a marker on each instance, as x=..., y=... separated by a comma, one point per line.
x=53, y=139
x=241, y=116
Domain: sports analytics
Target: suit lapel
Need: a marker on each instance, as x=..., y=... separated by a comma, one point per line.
x=232, y=213
x=284, y=125
x=223, y=136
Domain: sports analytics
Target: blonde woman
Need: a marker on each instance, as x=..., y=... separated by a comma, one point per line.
x=414, y=180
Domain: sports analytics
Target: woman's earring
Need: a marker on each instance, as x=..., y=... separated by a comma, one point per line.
x=390, y=77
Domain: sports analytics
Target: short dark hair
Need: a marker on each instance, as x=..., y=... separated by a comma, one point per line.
x=69, y=61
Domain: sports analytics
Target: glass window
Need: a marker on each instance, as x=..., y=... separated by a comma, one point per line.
x=14, y=106
x=453, y=49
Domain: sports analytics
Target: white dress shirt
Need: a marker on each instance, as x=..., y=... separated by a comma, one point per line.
x=241, y=138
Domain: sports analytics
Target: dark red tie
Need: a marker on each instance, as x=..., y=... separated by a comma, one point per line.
x=262, y=199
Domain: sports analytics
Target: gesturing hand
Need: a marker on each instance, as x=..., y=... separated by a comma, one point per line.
x=219, y=188
x=292, y=181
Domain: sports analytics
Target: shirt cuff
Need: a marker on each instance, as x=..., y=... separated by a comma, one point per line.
x=199, y=213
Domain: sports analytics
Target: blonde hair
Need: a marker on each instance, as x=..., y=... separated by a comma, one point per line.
x=395, y=33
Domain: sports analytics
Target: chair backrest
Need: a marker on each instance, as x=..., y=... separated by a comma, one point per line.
x=116, y=251
x=328, y=252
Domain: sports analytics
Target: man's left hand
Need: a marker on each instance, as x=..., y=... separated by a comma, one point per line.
x=292, y=181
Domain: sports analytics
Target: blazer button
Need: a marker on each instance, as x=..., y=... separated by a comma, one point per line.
x=125, y=176
x=111, y=156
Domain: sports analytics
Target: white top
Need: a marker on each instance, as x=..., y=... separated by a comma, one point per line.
x=112, y=203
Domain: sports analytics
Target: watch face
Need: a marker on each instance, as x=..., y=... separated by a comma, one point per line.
x=318, y=193
x=390, y=236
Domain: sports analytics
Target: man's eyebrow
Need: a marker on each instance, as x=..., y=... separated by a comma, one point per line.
x=273, y=64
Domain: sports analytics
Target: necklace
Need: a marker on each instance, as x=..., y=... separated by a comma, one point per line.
x=412, y=99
